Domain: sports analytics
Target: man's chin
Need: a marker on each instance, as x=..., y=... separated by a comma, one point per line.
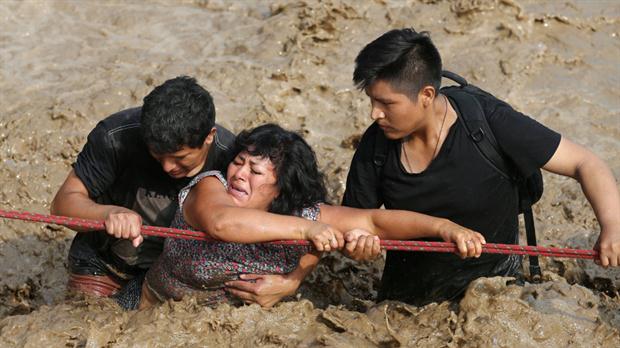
x=392, y=135
x=180, y=175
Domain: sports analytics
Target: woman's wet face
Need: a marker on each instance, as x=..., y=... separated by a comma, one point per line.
x=252, y=181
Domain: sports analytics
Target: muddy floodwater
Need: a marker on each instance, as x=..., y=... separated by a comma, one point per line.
x=65, y=65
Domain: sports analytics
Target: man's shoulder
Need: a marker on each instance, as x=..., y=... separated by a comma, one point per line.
x=489, y=103
x=224, y=139
x=118, y=133
x=124, y=120
x=221, y=151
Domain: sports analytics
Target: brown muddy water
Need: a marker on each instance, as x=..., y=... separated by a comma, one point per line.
x=64, y=65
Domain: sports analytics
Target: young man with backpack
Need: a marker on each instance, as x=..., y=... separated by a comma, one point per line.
x=457, y=153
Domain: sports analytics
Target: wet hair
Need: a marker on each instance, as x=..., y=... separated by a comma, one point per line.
x=175, y=114
x=406, y=59
x=298, y=178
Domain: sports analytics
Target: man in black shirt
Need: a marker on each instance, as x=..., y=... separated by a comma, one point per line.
x=128, y=174
x=432, y=166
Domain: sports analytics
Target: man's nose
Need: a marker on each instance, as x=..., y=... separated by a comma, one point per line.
x=376, y=113
x=167, y=165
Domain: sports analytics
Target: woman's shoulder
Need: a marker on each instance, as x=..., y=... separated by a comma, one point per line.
x=210, y=173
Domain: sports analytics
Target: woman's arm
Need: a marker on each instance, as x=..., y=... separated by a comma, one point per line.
x=209, y=208
x=600, y=188
x=403, y=225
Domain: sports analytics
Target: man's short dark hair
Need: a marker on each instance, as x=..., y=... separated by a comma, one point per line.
x=175, y=114
x=406, y=59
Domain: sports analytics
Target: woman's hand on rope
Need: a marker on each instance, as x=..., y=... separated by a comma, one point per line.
x=124, y=223
x=324, y=237
x=361, y=245
x=468, y=242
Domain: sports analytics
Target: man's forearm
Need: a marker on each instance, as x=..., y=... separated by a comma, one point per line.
x=72, y=200
x=119, y=222
x=74, y=205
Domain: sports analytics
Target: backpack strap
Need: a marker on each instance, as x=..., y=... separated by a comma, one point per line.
x=530, y=233
x=477, y=127
x=475, y=123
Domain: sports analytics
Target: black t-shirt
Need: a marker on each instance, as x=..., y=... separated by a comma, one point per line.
x=117, y=168
x=460, y=185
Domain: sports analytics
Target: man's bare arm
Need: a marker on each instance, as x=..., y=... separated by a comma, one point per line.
x=72, y=200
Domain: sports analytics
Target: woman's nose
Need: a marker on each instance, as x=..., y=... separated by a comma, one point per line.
x=242, y=172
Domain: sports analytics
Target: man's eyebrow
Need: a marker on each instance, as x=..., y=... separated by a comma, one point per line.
x=382, y=100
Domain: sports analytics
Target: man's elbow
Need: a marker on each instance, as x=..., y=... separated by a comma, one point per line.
x=61, y=203
x=591, y=165
x=54, y=206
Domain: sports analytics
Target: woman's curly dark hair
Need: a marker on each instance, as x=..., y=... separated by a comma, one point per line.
x=299, y=180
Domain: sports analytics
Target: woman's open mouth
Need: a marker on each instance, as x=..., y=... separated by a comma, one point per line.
x=237, y=192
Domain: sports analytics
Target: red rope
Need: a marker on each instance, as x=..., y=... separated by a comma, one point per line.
x=405, y=245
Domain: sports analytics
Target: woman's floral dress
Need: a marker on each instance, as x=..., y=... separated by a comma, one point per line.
x=201, y=268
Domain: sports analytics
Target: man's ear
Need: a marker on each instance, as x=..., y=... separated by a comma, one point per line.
x=210, y=137
x=427, y=95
